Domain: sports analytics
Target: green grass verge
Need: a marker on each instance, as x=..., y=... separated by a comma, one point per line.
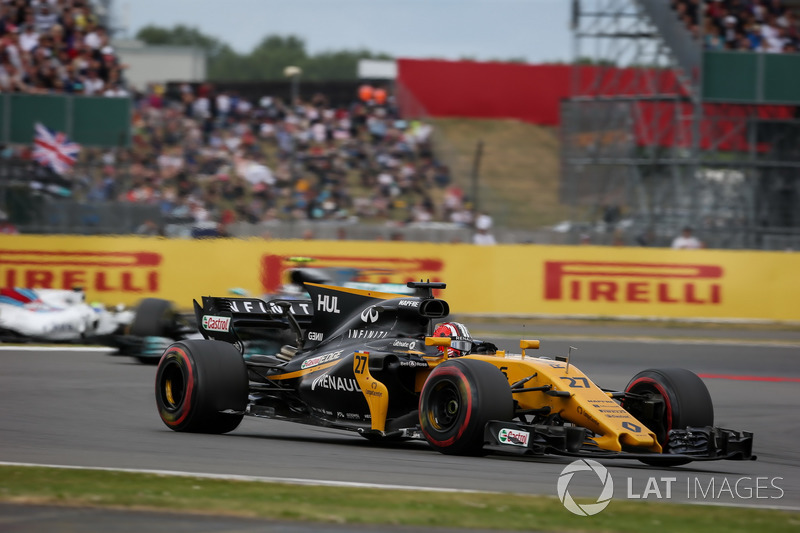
x=369, y=506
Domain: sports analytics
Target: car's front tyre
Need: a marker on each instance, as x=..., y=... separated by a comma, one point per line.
x=459, y=397
x=684, y=402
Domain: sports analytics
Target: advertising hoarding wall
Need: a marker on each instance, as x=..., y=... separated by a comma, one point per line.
x=524, y=280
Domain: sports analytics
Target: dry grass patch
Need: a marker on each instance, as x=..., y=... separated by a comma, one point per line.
x=519, y=170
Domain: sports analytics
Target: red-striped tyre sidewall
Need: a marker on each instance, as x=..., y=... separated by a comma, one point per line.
x=208, y=386
x=175, y=356
x=483, y=394
x=687, y=403
x=456, y=376
x=650, y=382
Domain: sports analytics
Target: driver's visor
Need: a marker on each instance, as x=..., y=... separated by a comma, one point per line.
x=461, y=345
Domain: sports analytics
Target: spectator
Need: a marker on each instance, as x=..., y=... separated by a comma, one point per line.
x=483, y=223
x=29, y=39
x=646, y=238
x=713, y=38
x=759, y=10
x=115, y=89
x=483, y=237
x=44, y=18
x=6, y=227
x=11, y=79
x=729, y=33
x=12, y=48
x=92, y=84
x=96, y=37
x=148, y=227
x=686, y=240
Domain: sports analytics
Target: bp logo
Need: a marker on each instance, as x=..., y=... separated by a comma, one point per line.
x=586, y=509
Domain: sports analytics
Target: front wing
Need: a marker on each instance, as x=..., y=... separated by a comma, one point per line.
x=694, y=443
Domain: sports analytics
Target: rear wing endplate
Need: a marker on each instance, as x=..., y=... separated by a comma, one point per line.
x=219, y=317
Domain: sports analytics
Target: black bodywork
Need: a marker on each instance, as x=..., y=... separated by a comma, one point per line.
x=312, y=380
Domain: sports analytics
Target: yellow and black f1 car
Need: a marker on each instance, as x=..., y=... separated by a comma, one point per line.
x=367, y=362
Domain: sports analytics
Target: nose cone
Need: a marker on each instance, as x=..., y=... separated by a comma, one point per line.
x=646, y=440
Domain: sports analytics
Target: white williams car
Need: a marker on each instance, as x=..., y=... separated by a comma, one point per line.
x=56, y=315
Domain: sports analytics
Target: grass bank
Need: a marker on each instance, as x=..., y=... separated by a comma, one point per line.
x=519, y=172
x=510, y=512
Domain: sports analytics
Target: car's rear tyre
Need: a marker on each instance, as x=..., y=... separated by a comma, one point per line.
x=459, y=397
x=686, y=403
x=154, y=317
x=201, y=387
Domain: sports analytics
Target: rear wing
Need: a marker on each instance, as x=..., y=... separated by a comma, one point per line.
x=223, y=318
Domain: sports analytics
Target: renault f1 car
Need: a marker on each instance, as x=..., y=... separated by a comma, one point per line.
x=57, y=315
x=365, y=361
x=158, y=323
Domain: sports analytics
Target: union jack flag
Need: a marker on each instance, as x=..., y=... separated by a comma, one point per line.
x=53, y=149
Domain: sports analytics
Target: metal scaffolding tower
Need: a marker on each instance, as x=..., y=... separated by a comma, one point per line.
x=639, y=143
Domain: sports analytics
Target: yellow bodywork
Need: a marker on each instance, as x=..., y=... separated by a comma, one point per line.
x=586, y=406
x=374, y=391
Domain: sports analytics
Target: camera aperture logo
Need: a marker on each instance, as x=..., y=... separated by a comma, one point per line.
x=586, y=509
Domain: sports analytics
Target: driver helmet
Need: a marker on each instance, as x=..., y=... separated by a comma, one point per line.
x=460, y=339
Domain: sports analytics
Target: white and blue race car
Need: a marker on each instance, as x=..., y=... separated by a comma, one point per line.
x=57, y=315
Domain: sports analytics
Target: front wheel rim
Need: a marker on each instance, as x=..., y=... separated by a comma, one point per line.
x=444, y=406
x=657, y=425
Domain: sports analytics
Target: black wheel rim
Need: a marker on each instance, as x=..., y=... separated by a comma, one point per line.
x=656, y=424
x=444, y=406
x=173, y=386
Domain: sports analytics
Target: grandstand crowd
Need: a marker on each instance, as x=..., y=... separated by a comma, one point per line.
x=211, y=156
x=745, y=25
x=56, y=46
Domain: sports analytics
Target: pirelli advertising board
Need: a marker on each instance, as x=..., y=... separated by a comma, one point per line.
x=495, y=280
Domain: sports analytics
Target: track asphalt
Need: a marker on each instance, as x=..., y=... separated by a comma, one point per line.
x=609, y=353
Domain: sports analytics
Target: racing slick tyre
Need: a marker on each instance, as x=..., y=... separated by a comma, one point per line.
x=201, y=386
x=459, y=397
x=154, y=318
x=686, y=402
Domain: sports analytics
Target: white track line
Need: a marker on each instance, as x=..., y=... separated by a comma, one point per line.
x=261, y=479
x=351, y=484
x=51, y=348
